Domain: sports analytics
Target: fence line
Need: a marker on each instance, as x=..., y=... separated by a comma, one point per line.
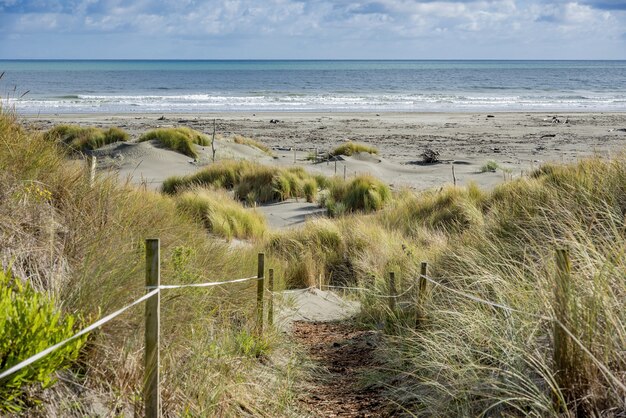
x=82, y=332
x=605, y=370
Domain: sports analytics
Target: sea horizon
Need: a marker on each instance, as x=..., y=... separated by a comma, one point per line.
x=308, y=85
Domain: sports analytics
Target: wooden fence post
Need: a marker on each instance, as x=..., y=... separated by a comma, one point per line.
x=259, y=293
x=392, y=291
x=562, y=345
x=344, y=172
x=421, y=292
x=294, y=155
x=270, y=303
x=152, y=399
x=91, y=169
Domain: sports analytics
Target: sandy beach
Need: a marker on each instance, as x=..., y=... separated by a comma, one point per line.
x=518, y=142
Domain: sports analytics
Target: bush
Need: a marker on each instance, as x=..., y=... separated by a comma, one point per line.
x=491, y=166
x=29, y=323
x=80, y=139
x=179, y=139
x=350, y=148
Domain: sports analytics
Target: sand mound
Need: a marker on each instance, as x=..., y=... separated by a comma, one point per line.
x=311, y=305
x=289, y=213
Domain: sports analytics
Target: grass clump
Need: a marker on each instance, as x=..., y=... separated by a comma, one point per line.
x=181, y=139
x=239, y=139
x=251, y=182
x=489, y=167
x=350, y=148
x=30, y=322
x=361, y=194
x=222, y=215
x=82, y=139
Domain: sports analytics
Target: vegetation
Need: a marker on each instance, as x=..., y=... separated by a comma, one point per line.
x=222, y=215
x=361, y=194
x=181, y=139
x=85, y=246
x=82, y=139
x=30, y=322
x=490, y=166
x=251, y=182
x=238, y=139
x=468, y=358
x=350, y=148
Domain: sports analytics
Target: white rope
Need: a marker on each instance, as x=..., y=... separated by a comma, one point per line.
x=380, y=295
x=208, y=284
x=90, y=328
x=598, y=363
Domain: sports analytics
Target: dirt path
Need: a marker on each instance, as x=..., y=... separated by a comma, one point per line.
x=343, y=353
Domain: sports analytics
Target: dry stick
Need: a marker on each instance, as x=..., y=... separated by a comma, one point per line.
x=421, y=293
x=270, y=303
x=562, y=345
x=91, y=167
x=259, y=293
x=152, y=333
x=453, y=176
x=344, y=172
x=294, y=155
x=213, y=141
x=392, y=291
x=335, y=165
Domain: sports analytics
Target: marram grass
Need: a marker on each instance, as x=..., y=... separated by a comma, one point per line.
x=181, y=139
x=82, y=139
x=350, y=148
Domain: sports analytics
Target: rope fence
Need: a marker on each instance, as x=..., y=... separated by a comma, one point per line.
x=151, y=390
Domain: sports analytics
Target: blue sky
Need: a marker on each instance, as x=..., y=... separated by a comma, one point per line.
x=309, y=29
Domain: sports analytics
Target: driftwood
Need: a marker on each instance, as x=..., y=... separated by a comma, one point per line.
x=430, y=156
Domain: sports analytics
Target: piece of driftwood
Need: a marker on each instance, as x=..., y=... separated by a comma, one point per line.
x=430, y=156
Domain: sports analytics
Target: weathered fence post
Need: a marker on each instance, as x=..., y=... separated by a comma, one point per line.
x=91, y=169
x=335, y=158
x=294, y=155
x=152, y=399
x=270, y=303
x=562, y=346
x=392, y=291
x=421, y=292
x=344, y=172
x=259, y=293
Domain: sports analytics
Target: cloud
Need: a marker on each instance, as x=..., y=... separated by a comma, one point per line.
x=319, y=28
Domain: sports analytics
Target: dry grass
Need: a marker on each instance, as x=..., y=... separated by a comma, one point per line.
x=239, y=139
x=350, y=148
x=82, y=139
x=85, y=245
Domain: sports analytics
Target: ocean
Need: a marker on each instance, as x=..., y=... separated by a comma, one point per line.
x=133, y=86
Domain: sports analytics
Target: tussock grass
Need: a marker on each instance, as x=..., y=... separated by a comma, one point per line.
x=239, y=139
x=181, y=139
x=221, y=214
x=85, y=246
x=361, y=194
x=250, y=181
x=350, y=148
x=82, y=139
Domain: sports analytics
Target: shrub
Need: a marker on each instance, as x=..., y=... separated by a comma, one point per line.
x=350, y=148
x=29, y=323
x=179, y=139
x=310, y=190
x=491, y=166
x=81, y=139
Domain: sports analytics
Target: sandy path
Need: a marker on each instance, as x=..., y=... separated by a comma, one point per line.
x=343, y=353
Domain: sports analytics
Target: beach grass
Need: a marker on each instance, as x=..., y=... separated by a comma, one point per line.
x=83, y=139
x=349, y=148
x=221, y=214
x=181, y=139
x=83, y=244
x=240, y=139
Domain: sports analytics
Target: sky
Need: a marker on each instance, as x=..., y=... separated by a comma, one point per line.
x=313, y=29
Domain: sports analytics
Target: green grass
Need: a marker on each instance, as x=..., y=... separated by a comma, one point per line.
x=490, y=166
x=180, y=139
x=251, y=182
x=221, y=214
x=350, y=148
x=360, y=194
x=82, y=139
